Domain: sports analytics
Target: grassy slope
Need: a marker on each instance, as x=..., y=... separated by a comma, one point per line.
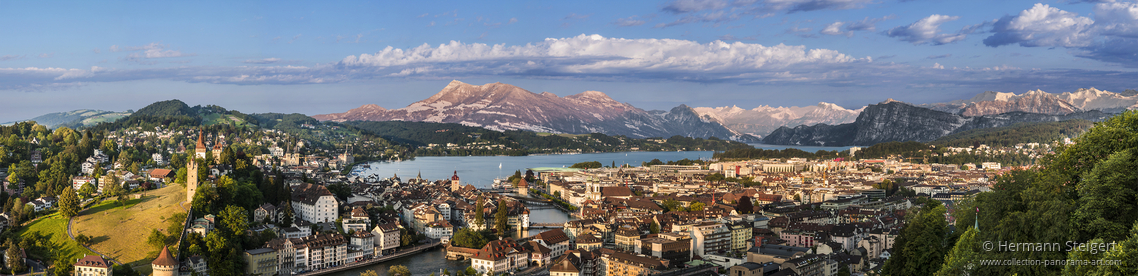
x=56, y=226
x=121, y=232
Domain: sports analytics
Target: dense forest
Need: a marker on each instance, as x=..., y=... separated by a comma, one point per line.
x=1083, y=195
x=1039, y=132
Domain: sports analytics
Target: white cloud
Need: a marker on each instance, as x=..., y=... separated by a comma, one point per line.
x=1117, y=19
x=10, y=57
x=1112, y=36
x=927, y=30
x=140, y=54
x=593, y=54
x=836, y=29
x=1042, y=26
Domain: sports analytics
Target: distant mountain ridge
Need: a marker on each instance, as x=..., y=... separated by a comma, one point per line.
x=892, y=120
x=1038, y=101
x=762, y=120
x=499, y=106
x=77, y=118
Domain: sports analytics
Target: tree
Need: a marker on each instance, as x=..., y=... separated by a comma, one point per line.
x=115, y=189
x=921, y=246
x=1125, y=253
x=369, y=272
x=697, y=206
x=963, y=258
x=398, y=270
x=288, y=213
x=82, y=239
x=1108, y=198
x=17, y=265
x=470, y=271
x=654, y=228
x=87, y=190
x=582, y=165
x=156, y=239
x=479, y=216
x=671, y=205
x=182, y=175
x=234, y=220
x=500, y=220
x=745, y=206
x=466, y=237
x=68, y=203
x=63, y=266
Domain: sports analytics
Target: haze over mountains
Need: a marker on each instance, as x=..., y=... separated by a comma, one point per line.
x=500, y=106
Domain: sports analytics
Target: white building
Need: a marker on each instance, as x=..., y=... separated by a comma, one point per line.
x=386, y=237
x=314, y=203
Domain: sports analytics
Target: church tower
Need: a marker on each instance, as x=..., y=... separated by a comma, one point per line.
x=192, y=168
x=454, y=185
x=217, y=148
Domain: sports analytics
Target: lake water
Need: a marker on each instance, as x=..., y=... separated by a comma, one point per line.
x=480, y=171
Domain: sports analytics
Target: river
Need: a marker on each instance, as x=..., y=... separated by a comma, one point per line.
x=481, y=171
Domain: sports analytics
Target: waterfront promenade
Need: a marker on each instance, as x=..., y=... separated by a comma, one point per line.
x=399, y=254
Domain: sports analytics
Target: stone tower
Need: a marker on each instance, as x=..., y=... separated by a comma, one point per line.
x=192, y=168
x=165, y=264
x=454, y=186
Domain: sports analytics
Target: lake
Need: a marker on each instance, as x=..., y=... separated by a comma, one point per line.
x=480, y=171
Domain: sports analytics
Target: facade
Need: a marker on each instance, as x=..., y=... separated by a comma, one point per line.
x=556, y=240
x=314, y=203
x=386, y=237
x=260, y=261
x=93, y=265
x=500, y=256
x=321, y=251
x=362, y=246
x=710, y=237
x=741, y=232
x=618, y=263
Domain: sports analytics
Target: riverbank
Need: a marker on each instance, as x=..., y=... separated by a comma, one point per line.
x=364, y=263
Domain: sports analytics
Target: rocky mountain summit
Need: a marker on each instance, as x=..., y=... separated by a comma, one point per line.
x=762, y=120
x=500, y=106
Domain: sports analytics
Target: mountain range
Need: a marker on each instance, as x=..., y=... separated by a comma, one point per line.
x=763, y=119
x=898, y=121
x=499, y=106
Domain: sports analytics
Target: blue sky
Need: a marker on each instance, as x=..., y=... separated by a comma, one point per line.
x=326, y=57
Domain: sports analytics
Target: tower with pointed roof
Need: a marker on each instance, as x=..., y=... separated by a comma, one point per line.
x=217, y=148
x=165, y=264
x=192, y=168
